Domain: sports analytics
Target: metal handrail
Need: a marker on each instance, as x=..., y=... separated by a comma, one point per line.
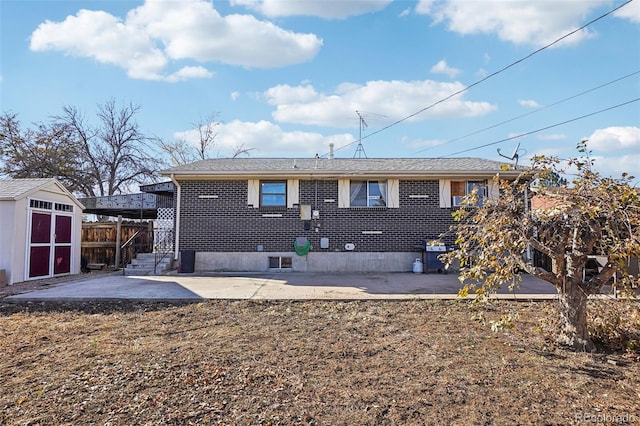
x=124, y=258
x=159, y=248
x=138, y=232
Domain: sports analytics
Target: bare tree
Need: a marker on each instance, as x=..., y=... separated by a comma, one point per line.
x=115, y=153
x=106, y=159
x=181, y=151
x=206, y=129
x=241, y=150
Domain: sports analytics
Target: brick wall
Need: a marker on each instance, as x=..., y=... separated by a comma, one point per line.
x=215, y=217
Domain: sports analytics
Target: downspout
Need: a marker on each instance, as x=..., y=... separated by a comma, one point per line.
x=177, y=235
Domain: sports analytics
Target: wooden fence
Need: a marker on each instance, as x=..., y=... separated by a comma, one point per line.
x=99, y=240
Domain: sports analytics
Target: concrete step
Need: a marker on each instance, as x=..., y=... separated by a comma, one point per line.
x=151, y=256
x=144, y=264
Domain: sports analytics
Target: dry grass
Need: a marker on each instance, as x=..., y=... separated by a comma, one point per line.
x=373, y=362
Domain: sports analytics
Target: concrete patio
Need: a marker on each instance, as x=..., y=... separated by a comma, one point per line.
x=272, y=286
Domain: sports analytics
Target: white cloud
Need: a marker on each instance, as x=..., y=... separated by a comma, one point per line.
x=423, y=143
x=406, y=12
x=630, y=11
x=187, y=73
x=520, y=22
x=234, y=95
x=615, y=166
x=393, y=99
x=318, y=8
x=285, y=94
x=528, y=103
x=552, y=137
x=442, y=68
x=615, y=139
x=266, y=139
x=157, y=34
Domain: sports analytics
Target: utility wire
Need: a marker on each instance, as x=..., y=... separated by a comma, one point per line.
x=529, y=113
x=501, y=70
x=542, y=128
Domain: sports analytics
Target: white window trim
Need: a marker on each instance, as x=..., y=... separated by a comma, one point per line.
x=393, y=193
x=253, y=193
x=445, y=193
x=493, y=190
x=344, y=195
x=293, y=193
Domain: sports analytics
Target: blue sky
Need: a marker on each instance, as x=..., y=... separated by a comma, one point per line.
x=286, y=77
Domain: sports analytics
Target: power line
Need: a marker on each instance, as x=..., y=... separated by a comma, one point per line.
x=501, y=70
x=543, y=128
x=529, y=113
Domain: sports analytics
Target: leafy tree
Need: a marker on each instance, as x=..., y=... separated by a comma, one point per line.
x=47, y=150
x=594, y=215
x=106, y=159
x=553, y=180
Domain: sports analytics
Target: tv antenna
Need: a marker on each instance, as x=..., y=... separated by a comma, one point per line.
x=360, y=149
x=514, y=154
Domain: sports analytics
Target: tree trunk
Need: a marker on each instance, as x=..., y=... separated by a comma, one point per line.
x=573, y=313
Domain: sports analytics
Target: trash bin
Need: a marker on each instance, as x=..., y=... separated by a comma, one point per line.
x=187, y=261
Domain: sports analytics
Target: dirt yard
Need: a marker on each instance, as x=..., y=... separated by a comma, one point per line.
x=311, y=363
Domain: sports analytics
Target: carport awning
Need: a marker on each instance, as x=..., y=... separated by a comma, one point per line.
x=130, y=206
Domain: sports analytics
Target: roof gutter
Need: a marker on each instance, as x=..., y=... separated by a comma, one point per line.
x=177, y=234
x=333, y=174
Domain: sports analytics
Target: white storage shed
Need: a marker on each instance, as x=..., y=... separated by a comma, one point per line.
x=40, y=230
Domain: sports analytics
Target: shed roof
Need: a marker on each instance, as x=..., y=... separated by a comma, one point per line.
x=16, y=189
x=332, y=167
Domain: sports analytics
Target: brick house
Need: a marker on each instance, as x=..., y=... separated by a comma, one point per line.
x=322, y=214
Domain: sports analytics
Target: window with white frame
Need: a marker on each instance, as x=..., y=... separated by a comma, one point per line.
x=370, y=193
x=273, y=193
x=460, y=189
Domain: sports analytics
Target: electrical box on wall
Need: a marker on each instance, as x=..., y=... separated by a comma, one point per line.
x=324, y=243
x=315, y=214
x=305, y=212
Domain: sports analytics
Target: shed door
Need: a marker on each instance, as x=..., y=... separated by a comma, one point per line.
x=40, y=244
x=62, y=245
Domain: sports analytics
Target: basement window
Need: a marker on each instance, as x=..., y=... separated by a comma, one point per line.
x=280, y=262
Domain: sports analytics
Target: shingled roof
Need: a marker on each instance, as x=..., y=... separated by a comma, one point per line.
x=335, y=167
x=16, y=189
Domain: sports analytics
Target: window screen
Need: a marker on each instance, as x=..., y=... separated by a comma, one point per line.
x=273, y=194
